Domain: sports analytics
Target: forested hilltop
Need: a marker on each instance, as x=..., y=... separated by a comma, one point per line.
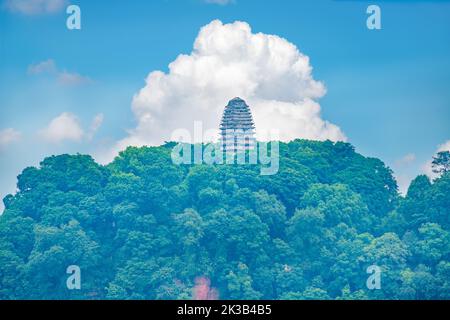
x=145, y=228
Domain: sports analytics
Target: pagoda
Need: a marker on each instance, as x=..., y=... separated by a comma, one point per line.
x=237, y=127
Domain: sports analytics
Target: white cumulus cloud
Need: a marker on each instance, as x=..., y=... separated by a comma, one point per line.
x=35, y=7
x=8, y=136
x=66, y=126
x=229, y=60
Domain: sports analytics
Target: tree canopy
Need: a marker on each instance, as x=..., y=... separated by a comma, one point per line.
x=143, y=227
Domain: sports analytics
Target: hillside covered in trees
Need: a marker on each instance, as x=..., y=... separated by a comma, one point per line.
x=145, y=228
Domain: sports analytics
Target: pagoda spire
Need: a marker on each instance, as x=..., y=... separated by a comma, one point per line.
x=237, y=127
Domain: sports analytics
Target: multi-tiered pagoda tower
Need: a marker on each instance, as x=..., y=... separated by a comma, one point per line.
x=237, y=127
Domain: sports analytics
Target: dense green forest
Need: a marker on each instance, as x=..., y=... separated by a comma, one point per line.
x=145, y=228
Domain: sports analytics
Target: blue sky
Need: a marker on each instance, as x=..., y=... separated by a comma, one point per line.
x=387, y=90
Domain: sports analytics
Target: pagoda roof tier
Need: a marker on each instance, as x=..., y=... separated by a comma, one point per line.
x=237, y=116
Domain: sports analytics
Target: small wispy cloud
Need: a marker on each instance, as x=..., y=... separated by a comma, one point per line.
x=63, y=77
x=95, y=125
x=220, y=2
x=34, y=7
x=47, y=66
x=406, y=159
x=427, y=167
x=72, y=79
x=8, y=136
